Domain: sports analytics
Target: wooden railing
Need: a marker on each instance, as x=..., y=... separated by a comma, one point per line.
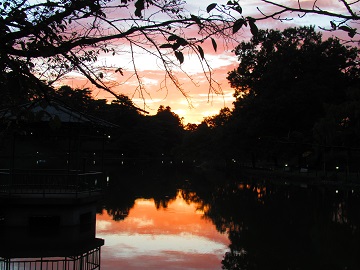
x=48, y=182
x=87, y=261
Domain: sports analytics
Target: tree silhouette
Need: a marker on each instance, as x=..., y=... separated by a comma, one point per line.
x=169, y=128
x=283, y=81
x=76, y=98
x=218, y=120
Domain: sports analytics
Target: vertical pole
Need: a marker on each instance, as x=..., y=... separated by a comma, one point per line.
x=7, y=264
x=81, y=262
x=99, y=257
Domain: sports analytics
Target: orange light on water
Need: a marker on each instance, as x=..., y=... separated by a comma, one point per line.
x=168, y=238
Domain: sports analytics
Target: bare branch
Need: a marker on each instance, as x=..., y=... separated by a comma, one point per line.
x=314, y=10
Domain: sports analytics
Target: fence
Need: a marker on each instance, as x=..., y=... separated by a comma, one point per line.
x=49, y=182
x=87, y=261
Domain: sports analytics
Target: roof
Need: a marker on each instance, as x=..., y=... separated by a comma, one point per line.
x=45, y=111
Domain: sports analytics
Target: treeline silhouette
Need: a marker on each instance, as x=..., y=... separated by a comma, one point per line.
x=297, y=103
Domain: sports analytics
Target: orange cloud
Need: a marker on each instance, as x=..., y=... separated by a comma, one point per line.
x=198, y=99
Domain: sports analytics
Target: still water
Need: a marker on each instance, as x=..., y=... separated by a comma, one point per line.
x=197, y=221
x=175, y=237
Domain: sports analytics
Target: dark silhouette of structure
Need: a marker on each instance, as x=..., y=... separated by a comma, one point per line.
x=48, y=204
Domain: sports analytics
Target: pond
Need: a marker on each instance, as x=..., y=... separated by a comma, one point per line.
x=164, y=218
x=170, y=220
x=175, y=237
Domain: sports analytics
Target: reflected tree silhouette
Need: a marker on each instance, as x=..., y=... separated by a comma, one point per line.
x=118, y=205
x=277, y=226
x=291, y=228
x=125, y=187
x=270, y=225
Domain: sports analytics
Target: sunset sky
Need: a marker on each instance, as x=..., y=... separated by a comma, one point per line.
x=199, y=102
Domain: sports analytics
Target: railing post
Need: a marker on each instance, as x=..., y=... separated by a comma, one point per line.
x=99, y=256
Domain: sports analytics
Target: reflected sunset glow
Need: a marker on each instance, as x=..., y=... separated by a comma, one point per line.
x=177, y=236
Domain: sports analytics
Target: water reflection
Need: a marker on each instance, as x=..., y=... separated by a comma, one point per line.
x=172, y=236
x=287, y=227
x=48, y=234
x=214, y=222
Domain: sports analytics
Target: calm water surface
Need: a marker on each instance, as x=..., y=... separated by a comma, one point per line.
x=175, y=237
x=174, y=221
x=167, y=219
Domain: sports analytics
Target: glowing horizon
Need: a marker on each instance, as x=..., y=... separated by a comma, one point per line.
x=197, y=100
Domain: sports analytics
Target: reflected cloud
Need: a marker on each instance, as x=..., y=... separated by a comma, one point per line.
x=127, y=245
x=103, y=225
x=177, y=236
x=141, y=222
